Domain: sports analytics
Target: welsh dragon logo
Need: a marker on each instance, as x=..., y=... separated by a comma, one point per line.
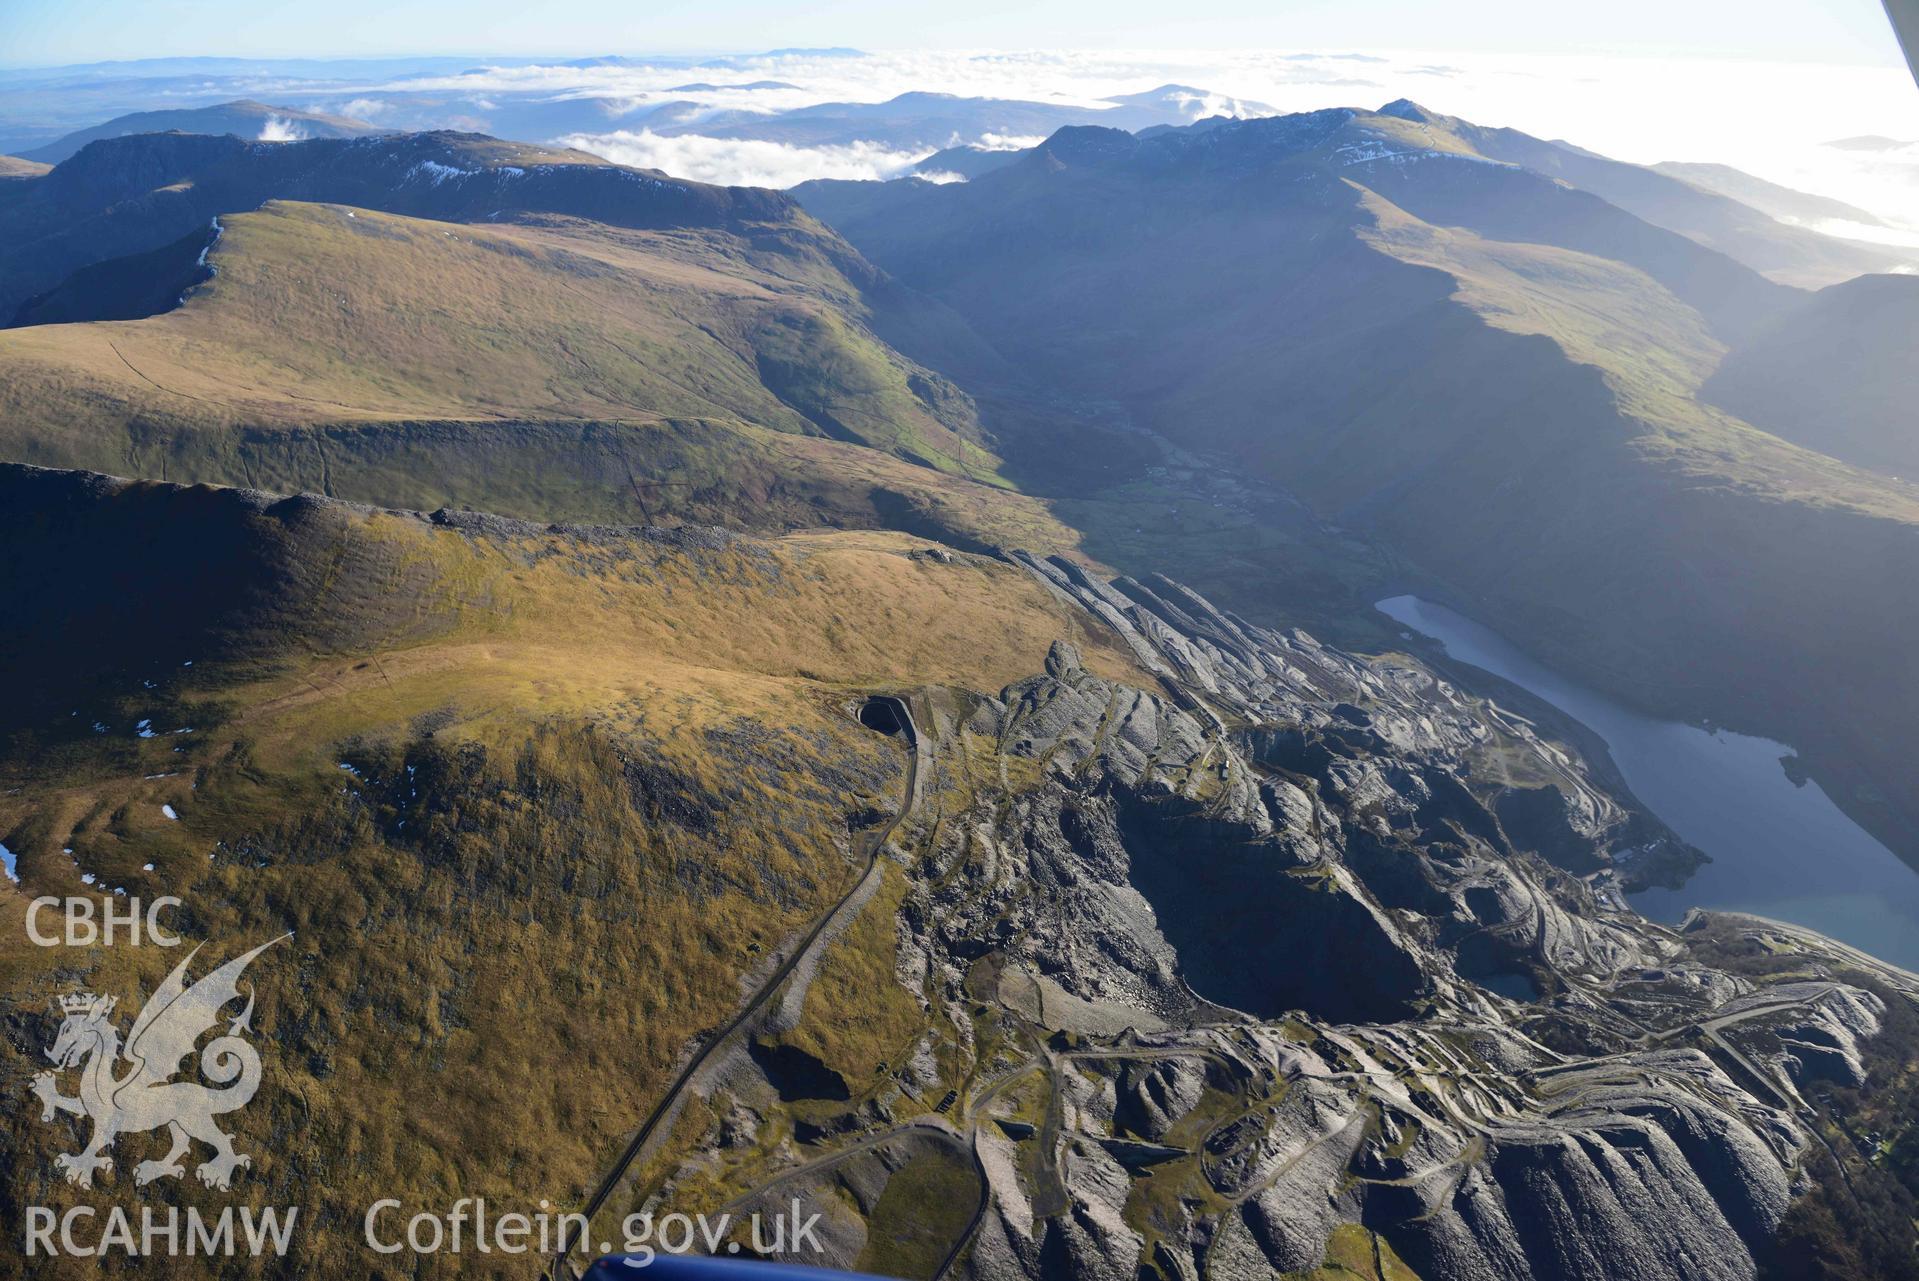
x=144, y=1096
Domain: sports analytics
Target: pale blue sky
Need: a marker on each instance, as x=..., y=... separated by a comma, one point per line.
x=67, y=31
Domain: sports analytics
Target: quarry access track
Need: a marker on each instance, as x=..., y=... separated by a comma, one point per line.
x=870, y=843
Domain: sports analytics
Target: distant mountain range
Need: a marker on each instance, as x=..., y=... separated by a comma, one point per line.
x=1782, y=203
x=254, y=120
x=1742, y=216
x=329, y=101
x=912, y=121
x=1693, y=209
x=909, y=121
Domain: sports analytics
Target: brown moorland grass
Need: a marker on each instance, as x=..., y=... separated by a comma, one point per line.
x=530, y=804
x=324, y=314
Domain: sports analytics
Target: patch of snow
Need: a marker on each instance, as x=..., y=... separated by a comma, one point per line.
x=438, y=172
x=146, y=867
x=144, y=729
x=218, y=231
x=1374, y=150
x=168, y=811
x=86, y=878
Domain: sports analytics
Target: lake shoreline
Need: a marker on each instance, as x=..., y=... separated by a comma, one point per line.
x=1778, y=844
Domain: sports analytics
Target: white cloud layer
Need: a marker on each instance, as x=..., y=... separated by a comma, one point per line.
x=1767, y=118
x=280, y=129
x=744, y=163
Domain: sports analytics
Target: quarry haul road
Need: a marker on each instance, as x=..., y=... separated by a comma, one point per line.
x=873, y=841
x=931, y=1127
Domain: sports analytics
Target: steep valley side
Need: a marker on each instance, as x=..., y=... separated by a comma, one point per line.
x=1512, y=413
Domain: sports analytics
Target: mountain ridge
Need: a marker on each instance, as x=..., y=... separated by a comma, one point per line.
x=244, y=118
x=1497, y=352
x=125, y=195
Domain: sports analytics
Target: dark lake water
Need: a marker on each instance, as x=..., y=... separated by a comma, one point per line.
x=1779, y=849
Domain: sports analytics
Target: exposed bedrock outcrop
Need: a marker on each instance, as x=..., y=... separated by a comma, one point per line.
x=1299, y=944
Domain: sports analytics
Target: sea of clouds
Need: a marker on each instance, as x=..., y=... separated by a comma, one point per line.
x=1770, y=119
x=744, y=162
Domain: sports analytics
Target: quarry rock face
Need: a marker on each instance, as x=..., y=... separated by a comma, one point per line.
x=1301, y=977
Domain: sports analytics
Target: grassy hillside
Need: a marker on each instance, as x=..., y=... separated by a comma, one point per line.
x=15, y=167
x=1654, y=353
x=524, y=863
x=560, y=369
x=320, y=313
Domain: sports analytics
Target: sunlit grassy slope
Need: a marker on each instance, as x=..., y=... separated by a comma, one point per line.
x=553, y=369
x=327, y=314
x=530, y=801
